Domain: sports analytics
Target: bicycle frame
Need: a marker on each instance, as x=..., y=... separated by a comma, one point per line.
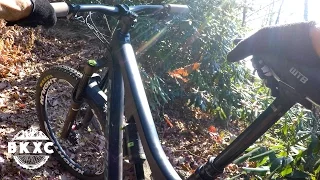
x=127, y=78
x=136, y=104
x=127, y=82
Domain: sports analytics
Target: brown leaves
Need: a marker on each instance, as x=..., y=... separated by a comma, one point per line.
x=15, y=46
x=182, y=73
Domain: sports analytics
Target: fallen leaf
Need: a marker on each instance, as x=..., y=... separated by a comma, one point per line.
x=212, y=129
x=22, y=106
x=185, y=167
x=166, y=118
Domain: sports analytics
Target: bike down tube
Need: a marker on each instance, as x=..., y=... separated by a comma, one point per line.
x=136, y=106
x=270, y=116
x=116, y=112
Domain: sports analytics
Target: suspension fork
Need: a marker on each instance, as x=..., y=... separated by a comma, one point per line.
x=270, y=116
x=103, y=85
x=77, y=98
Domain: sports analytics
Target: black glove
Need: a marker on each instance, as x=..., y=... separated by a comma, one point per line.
x=42, y=14
x=288, y=44
x=292, y=42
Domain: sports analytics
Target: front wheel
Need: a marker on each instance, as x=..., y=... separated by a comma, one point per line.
x=83, y=153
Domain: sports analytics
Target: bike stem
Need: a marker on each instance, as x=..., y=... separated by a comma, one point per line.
x=270, y=116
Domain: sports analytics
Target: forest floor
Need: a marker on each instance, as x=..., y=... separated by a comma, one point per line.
x=188, y=136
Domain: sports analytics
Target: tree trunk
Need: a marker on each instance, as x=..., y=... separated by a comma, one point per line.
x=306, y=9
x=279, y=12
x=271, y=13
x=244, y=13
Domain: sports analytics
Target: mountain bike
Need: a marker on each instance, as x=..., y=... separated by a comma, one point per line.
x=112, y=107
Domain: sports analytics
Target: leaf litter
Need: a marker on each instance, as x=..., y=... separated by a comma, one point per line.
x=188, y=136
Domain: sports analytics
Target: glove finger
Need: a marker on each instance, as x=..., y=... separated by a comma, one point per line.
x=253, y=45
x=241, y=51
x=44, y=13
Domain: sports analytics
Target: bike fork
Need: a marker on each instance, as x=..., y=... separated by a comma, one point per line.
x=135, y=148
x=77, y=98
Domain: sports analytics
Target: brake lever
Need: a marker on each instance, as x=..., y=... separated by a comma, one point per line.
x=271, y=80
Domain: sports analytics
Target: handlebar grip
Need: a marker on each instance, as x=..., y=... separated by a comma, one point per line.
x=178, y=9
x=61, y=9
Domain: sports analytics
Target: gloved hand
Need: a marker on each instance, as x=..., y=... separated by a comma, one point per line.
x=42, y=14
x=291, y=44
x=291, y=41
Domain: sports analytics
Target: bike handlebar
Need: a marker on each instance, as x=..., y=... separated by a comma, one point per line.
x=63, y=9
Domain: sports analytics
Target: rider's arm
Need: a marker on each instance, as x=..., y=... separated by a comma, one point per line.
x=13, y=10
x=315, y=37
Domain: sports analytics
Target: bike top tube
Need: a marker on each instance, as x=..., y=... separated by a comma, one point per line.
x=62, y=9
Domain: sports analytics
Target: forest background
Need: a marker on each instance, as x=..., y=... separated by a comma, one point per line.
x=192, y=90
